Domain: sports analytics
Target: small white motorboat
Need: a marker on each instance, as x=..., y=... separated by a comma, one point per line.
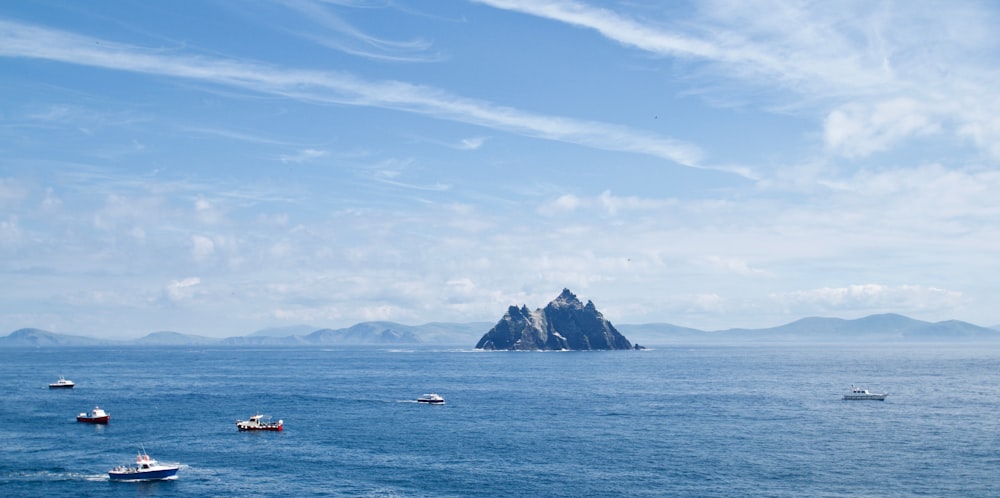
x=431, y=399
x=62, y=383
x=257, y=423
x=858, y=393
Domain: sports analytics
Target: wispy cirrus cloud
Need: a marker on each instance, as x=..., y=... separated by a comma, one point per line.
x=303, y=156
x=606, y=202
x=327, y=87
x=471, y=143
x=237, y=135
x=870, y=72
x=338, y=34
x=635, y=33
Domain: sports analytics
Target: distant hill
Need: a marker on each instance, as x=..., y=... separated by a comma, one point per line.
x=39, y=337
x=365, y=333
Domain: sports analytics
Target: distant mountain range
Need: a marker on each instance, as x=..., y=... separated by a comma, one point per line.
x=366, y=333
x=884, y=328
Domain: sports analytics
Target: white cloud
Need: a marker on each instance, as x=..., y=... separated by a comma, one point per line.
x=606, y=202
x=563, y=204
x=117, y=209
x=11, y=192
x=471, y=143
x=51, y=201
x=207, y=212
x=10, y=232
x=929, y=200
x=735, y=266
x=872, y=297
x=856, y=130
x=707, y=302
x=303, y=156
x=179, y=290
x=463, y=286
x=984, y=131
x=202, y=247
x=613, y=204
x=388, y=177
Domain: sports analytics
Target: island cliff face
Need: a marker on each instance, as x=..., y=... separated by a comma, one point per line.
x=565, y=323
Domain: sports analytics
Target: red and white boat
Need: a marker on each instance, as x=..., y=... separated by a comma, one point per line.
x=96, y=416
x=257, y=423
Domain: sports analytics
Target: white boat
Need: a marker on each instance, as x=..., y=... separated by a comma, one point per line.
x=858, y=393
x=62, y=383
x=145, y=469
x=257, y=423
x=431, y=399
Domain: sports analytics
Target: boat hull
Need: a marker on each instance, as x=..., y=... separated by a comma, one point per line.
x=146, y=475
x=94, y=420
x=277, y=428
x=60, y=386
x=862, y=397
x=431, y=399
x=259, y=423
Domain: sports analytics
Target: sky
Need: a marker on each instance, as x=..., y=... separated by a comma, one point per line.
x=217, y=167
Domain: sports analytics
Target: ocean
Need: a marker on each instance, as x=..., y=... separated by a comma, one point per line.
x=669, y=421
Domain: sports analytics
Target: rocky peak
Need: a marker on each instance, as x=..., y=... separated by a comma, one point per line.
x=565, y=323
x=565, y=300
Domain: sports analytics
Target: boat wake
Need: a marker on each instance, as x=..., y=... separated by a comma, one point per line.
x=54, y=476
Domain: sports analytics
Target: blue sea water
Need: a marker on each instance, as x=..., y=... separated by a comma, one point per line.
x=672, y=421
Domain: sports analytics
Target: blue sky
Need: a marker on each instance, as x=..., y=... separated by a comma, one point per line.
x=219, y=167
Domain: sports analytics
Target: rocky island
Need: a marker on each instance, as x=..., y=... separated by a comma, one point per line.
x=564, y=324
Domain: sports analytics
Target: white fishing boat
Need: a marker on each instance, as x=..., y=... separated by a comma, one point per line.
x=431, y=399
x=257, y=423
x=145, y=469
x=858, y=393
x=62, y=383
